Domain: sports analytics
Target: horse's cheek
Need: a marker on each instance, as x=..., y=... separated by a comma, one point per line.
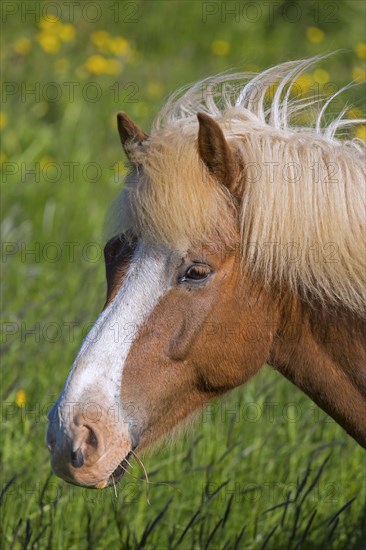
x=231, y=352
x=187, y=330
x=222, y=366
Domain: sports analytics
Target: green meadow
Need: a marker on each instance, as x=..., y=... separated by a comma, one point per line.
x=263, y=468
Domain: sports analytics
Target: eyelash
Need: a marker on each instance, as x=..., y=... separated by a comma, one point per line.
x=196, y=273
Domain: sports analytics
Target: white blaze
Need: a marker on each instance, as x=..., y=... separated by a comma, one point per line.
x=96, y=375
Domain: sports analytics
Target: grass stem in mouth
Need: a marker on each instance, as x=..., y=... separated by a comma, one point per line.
x=145, y=473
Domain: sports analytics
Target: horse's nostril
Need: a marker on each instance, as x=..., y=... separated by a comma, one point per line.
x=92, y=438
x=77, y=459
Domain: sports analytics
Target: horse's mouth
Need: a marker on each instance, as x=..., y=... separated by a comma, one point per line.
x=119, y=471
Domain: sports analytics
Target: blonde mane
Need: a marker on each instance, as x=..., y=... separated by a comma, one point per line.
x=302, y=210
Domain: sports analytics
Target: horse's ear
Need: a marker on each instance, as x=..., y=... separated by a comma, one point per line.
x=129, y=132
x=215, y=152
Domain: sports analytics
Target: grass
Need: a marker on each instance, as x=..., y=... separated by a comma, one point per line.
x=264, y=468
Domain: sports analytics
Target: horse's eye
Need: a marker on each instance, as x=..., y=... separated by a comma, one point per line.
x=196, y=272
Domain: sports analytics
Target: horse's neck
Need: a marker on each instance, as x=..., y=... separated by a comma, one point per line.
x=325, y=356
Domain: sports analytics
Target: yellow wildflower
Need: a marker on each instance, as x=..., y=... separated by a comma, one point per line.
x=66, y=32
x=220, y=47
x=49, y=23
x=303, y=84
x=20, y=398
x=3, y=120
x=53, y=26
x=22, y=46
x=100, y=39
x=360, y=133
x=359, y=74
x=360, y=49
x=49, y=42
x=119, y=46
x=96, y=64
x=315, y=35
x=321, y=76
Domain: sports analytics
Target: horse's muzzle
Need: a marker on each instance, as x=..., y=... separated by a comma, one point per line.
x=88, y=454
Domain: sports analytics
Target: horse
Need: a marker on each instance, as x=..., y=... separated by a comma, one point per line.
x=239, y=241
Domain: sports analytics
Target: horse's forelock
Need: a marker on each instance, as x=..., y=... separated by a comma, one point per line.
x=170, y=197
